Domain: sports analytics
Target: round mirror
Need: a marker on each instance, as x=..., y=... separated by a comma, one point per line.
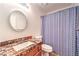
x=18, y=20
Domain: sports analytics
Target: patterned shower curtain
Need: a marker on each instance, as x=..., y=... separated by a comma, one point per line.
x=58, y=30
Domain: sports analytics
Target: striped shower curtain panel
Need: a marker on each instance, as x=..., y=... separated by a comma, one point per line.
x=58, y=30
x=77, y=36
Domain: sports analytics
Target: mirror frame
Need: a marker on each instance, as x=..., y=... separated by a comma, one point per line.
x=18, y=30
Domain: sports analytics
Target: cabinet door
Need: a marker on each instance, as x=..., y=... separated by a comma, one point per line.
x=35, y=50
x=39, y=53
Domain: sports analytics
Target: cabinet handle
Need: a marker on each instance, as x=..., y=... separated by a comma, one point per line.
x=28, y=51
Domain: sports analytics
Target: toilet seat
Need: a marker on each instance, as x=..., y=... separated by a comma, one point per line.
x=47, y=48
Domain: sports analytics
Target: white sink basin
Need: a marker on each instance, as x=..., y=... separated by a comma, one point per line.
x=22, y=45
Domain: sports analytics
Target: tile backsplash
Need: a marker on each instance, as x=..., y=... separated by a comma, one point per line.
x=15, y=40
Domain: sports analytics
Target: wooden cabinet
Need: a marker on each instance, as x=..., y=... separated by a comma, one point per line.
x=34, y=51
x=39, y=53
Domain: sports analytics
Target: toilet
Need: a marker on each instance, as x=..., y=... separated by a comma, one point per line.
x=46, y=49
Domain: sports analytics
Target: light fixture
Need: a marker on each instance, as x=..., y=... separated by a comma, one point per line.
x=25, y=4
x=43, y=4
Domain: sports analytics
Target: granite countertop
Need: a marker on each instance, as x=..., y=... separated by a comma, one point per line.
x=8, y=50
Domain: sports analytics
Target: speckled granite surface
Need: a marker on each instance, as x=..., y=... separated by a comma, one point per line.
x=6, y=48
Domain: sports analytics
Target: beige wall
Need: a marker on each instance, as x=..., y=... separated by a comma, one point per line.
x=33, y=15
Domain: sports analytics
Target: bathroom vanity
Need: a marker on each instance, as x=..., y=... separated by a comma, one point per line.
x=21, y=47
x=33, y=51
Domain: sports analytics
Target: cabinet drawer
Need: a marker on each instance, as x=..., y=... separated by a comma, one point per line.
x=27, y=52
x=34, y=51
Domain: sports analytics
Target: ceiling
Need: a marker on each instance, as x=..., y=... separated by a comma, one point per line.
x=48, y=7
